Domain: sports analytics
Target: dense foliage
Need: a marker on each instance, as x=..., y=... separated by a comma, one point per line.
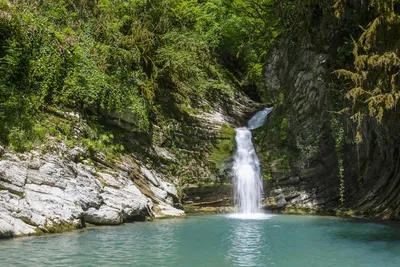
x=160, y=60
x=375, y=80
x=362, y=38
x=366, y=36
x=148, y=57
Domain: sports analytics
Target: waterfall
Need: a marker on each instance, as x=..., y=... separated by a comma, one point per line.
x=246, y=168
x=259, y=119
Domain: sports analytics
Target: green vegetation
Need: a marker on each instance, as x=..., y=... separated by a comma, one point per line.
x=367, y=57
x=59, y=227
x=223, y=151
x=20, y=194
x=338, y=135
x=361, y=40
x=151, y=58
x=67, y=66
x=274, y=143
x=375, y=79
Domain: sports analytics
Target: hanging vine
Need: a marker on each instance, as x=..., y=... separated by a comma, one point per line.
x=374, y=82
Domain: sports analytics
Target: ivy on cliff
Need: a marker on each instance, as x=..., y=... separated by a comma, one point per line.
x=374, y=83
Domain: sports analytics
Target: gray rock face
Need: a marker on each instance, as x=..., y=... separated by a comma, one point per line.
x=10, y=226
x=312, y=179
x=218, y=195
x=49, y=193
x=371, y=175
x=372, y=168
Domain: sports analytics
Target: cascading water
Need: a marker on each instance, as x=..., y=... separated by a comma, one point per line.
x=246, y=168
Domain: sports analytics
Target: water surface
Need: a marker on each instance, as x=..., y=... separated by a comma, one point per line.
x=215, y=241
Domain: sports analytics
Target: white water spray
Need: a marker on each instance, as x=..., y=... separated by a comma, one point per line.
x=246, y=168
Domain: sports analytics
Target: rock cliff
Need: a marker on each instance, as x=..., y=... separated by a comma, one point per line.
x=372, y=168
x=311, y=179
x=299, y=79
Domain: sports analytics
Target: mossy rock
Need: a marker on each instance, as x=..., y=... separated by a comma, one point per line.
x=197, y=210
x=59, y=227
x=20, y=194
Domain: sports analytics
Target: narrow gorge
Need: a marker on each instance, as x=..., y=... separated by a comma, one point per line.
x=199, y=133
x=179, y=133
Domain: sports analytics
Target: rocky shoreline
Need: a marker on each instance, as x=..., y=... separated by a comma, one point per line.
x=52, y=193
x=56, y=187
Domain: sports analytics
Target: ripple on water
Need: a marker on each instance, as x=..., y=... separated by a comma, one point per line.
x=249, y=216
x=221, y=241
x=246, y=243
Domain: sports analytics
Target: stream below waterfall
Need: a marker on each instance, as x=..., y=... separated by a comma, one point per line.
x=282, y=241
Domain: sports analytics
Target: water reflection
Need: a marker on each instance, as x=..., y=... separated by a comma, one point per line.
x=246, y=245
x=368, y=232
